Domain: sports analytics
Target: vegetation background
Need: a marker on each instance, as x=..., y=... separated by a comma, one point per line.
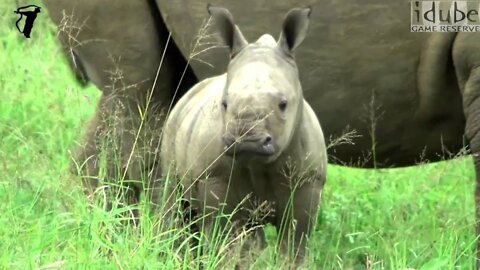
x=411, y=218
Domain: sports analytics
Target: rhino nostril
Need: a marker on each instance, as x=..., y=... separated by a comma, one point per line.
x=268, y=140
x=228, y=140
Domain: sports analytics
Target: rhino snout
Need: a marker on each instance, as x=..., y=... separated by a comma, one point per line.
x=261, y=145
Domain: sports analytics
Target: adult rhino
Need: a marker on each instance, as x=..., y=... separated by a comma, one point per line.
x=118, y=46
x=247, y=138
x=409, y=95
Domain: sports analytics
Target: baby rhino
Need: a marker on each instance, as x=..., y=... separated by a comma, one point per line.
x=245, y=145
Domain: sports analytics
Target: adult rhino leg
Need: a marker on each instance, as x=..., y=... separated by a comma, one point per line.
x=471, y=100
x=466, y=55
x=119, y=46
x=473, y=136
x=98, y=162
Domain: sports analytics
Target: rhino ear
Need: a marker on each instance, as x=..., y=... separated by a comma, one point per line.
x=294, y=29
x=229, y=32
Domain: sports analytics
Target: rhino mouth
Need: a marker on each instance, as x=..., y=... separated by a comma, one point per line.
x=259, y=147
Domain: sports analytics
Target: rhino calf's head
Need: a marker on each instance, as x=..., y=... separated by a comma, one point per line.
x=262, y=101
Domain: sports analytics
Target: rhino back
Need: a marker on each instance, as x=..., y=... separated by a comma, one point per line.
x=359, y=69
x=192, y=134
x=119, y=45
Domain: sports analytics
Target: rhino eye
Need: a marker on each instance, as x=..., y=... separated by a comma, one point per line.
x=224, y=104
x=283, y=105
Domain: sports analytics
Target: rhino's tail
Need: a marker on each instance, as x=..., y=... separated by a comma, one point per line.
x=436, y=81
x=77, y=67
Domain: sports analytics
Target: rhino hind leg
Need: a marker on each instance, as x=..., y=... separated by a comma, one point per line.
x=472, y=131
x=120, y=52
x=101, y=162
x=466, y=59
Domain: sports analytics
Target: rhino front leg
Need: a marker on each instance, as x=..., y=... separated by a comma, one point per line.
x=223, y=215
x=210, y=197
x=299, y=217
x=167, y=211
x=254, y=242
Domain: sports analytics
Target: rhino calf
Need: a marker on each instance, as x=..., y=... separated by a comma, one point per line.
x=247, y=141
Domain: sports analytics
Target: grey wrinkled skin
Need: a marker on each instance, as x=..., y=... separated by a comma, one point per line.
x=355, y=51
x=420, y=89
x=118, y=46
x=424, y=84
x=466, y=58
x=248, y=137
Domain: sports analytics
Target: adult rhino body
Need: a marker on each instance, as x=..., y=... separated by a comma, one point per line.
x=247, y=138
x=119, y=46
x=360, y=53
x=424, y=85
x=410, y=96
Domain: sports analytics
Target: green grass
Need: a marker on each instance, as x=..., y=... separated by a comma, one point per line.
x=420, y=217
